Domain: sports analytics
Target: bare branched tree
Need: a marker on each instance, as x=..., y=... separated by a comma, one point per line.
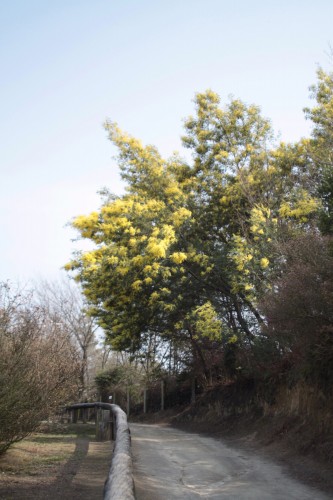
x=66, y=305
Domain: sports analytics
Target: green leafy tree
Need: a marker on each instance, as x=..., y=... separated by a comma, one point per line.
x=321, y=146
x=188, y=250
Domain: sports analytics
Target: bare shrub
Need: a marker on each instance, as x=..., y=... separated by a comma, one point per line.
x=299, y=310
x=38, y=365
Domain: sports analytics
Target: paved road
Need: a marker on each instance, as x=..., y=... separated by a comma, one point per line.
x=171, y=464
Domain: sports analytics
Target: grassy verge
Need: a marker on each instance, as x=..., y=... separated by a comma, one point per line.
x=45, y=451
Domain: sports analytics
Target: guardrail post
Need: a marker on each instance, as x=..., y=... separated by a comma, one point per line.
x=112, y=426
x=97, y=420
x=75, y=416
x=103, y=425
x=71, y=416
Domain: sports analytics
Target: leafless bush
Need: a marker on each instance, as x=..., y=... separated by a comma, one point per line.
x=39, y=366
x=299, y=310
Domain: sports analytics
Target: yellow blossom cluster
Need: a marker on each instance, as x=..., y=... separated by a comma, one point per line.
x=300, y=209
x=178, y=257
x=249, y=252
x=206, y=321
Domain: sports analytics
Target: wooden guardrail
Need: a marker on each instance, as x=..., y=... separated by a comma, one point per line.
x=119, y=484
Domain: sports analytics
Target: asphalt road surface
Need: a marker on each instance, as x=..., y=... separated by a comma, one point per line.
x=172, y=464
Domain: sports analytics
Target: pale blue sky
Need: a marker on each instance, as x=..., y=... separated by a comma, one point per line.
x=69, y=64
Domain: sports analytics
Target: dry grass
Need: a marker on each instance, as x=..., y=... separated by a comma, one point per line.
x=31, y=457
x=42, y=451
x=60, y=462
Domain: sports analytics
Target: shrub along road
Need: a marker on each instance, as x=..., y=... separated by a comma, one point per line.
x=172, y=464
